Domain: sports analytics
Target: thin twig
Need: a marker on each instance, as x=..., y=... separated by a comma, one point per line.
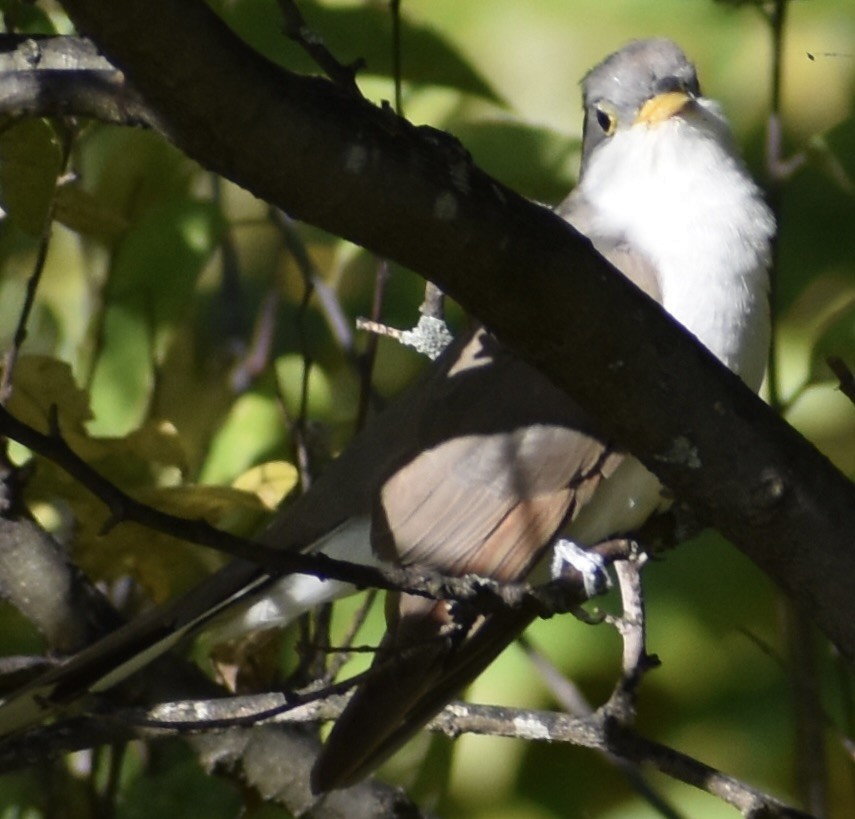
x=11, y=357
x=346, y=647
x=844, y=375
x=749, y=801
x=633, y=630
x=776, y=18
x=573, y=701
x=298, y=30
x=256, y=357
x=801, y=639
x=330, y=304
x=482, y=594
x=368, y=358
x=194, y=716
x=397, y=73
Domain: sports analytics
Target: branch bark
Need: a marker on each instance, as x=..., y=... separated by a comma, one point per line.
x=276, y=760
x=413, y=195
x=65, y=76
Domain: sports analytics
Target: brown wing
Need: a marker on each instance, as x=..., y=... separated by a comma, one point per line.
x=416, y=672
x=487, y=501
x=469, y=394
x=477, y=393
x=484, y=503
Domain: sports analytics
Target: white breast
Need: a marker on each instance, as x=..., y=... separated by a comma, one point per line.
x=679, y=193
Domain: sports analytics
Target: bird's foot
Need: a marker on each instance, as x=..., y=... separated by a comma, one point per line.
x=568, y=555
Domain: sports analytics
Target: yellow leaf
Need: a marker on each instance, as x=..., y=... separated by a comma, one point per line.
x=40, y=383
x=270, y=482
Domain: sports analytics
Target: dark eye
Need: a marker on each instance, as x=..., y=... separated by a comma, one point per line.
x=606, y=121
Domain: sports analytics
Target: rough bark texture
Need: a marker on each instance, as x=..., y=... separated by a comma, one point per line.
x=413, y=195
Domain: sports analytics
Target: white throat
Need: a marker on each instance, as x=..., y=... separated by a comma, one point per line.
x=678, y=193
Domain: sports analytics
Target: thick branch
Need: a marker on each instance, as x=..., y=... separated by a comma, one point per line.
x=198, y=717
x=65, y=76
x=413, y=195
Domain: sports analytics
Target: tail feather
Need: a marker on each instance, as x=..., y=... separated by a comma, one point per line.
x=129, y=648
x=403, y=692
x=239, y=598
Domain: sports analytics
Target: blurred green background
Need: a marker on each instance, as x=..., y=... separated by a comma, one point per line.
x=170, y=328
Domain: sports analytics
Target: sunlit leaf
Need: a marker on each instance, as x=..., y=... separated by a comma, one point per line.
x=253, y=428
x=270, y=482
x=154, y=276
x=140, y=464
x=163, y=564
x=42, y=383
x=290, y=373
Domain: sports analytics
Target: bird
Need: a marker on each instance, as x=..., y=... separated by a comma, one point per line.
x=484, y=466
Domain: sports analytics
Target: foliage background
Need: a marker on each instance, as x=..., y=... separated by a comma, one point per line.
x=161, y=281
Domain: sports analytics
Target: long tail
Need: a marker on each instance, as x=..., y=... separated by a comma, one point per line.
x=239, y=598
x=403, y=691
x=129, y=648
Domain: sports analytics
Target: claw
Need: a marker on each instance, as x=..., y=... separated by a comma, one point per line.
x=567, y=554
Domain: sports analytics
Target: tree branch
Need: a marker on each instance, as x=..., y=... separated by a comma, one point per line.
x=482, y=594
x=599, y=731
x=66, y=76
x=413, y=195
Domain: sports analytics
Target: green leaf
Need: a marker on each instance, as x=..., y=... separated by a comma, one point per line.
x=355, y=33
x=837, y=339
x=497, y=145
x=834, y=153
x=26, y=17
x=155, y=271
x=132, y=171
x=178, y=787
x=290, y=374
x=40, y=383
x=270, y=482
x=30, y=162
x=252, y=429
x=816, y=325
x=84, y=213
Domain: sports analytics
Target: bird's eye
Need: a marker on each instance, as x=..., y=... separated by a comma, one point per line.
x=606, y=121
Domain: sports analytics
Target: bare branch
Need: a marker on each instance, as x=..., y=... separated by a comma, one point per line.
x=311, y=42
x=632, y=626
x=749, y=801
x=66, y=76
x=597, y=732
x=481, y=594
x=844, y=375
x=413, y=195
